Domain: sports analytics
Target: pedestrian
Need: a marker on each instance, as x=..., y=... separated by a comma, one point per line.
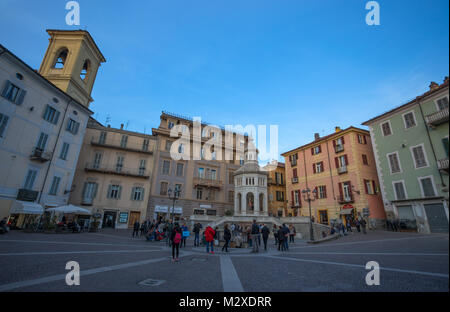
x=209, y=238
x=292, y=233
x=196, y=231
x=216, y=236
x=255, y=236
x=136, y=227
x=184, y=236
x=396, y=225
x=358, y=226
x=363, y=225
x=280, y=238
x=349, y=226
x=143, y=226
x=169, y=230
x=249, y=238
x=286, y=237
x=226, y=237
x=265, y=235
x=175, y=237
x=275, y=234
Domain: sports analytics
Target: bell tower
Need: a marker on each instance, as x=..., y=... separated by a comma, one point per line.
x=71, y=63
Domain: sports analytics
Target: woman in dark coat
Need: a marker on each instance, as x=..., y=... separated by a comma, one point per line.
x=226, y=237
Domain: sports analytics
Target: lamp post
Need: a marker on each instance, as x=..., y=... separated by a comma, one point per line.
x=307, y=197
x=176, y=195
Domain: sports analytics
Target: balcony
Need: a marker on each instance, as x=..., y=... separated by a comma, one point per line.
x=338, y=148
x=437, y=118
x=87, y=201
x=208, y=183
x=114, y=170
x=294, y=180
x=346, y=199
x=40, y=155
x=342, y=169
x=27, y=195
x=442, y=164
x=130, y=147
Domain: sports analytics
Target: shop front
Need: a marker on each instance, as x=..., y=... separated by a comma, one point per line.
x=162, y=213
x=348, y=214
x=24, y=214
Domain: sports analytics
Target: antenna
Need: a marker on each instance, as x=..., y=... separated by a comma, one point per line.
x=108, y=119
x=128, y=123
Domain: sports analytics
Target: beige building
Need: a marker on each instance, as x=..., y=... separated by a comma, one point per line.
x=206, y=186
x=276, y=188
x=113, y=176
x=43, y=116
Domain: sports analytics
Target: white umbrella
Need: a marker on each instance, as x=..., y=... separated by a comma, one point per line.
x=70, y=209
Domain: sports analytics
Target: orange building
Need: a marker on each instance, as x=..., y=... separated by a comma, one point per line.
x=340, y=171
x=276, y=190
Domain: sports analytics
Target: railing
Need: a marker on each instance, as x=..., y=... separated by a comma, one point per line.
x=134, y=147
x=39, y=154
x=342, y=169
x=27, y=195
x=198, y=181
x=438, y=117
x=339, y=148
x=345, y=199
x=294, y=180
x=443, y=164
x=131, y=172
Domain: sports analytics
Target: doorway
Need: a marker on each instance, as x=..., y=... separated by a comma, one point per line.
x=134, y=216
x=109, y=219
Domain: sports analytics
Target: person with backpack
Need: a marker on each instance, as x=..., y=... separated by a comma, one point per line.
x=265, y=235
x=226, y=237
x=209, y=238
x=175, y=238
x=184, y=230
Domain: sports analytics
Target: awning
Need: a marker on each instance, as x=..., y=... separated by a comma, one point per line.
x=70, y=209
x=22, y=207
x=346, y=211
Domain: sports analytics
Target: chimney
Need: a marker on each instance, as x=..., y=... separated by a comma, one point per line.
x=121, y=126
x=433, y=85
x=337, y=129
x=316, y=136
x=446, y=79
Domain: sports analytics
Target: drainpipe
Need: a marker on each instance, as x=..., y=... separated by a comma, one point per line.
x=429, y=139
x=331, y=177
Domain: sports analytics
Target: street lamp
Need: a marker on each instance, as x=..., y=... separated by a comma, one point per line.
x=307, y=197
x=176, y=195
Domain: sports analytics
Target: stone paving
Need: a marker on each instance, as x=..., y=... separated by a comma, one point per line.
x=113, y=261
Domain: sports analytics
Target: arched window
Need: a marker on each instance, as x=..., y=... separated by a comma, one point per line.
x=261, y=202
x=85, y=70
x=61, y=58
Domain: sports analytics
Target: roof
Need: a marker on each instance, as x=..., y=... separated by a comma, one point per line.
x=35, y=72
x=419, y=98
x=326, y=138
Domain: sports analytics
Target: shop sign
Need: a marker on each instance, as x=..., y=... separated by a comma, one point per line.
x=123, y=217
x=163, y=209
x=347, y=206
x=205, y=206
x=178, y=210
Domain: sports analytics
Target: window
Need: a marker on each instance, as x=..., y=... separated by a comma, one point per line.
x=42, y=142
x=394, y=163
x=199, y=193
x=365, y=160
x=124, y=141
x=180, y=170
x=427, y=187
x=119, y=164
x=296, y=198
x=170, y=124
x=168, y=145
x=60, y=60
x=399, y=189
x=64, y=151
x=369, y=187
x=230, y=177
x=294, y=173
x=137, y=193
x=316, y=150
x=178, y=189
x=211, y=212
x=341, y=161
x=362, y=139
x=280, y=196
x=293, y=159
x=97, y=160
x=145, y=144
x=163, y=189
x=318, y=167
x=30, y=178
x=409, y=119
x=13, y=93
x=51, y=115
x=322, y=191
x=419, y=156
x=89, y=192
x=114, y=191
x=73, y=126
x=201, y=173
x=241, y=161
x=84, y=75
x=386, y=128
x=166, y=167
x=3, y=122
x=211, y=195
x=142, y=166
x=55, y=186
x=213, y=174
x=444, y=142
x=230, y=196
x=442, y=103
x=102, y=139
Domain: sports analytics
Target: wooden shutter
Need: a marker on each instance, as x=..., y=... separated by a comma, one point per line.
x=320, y=148
x=293, y=200
x=108, y=195
x=312, y=151
x=21, y=96
x=119, y=193
x=334, y=143
x=342, y=140
x=317, y=191
x=323, y=166
x=341, y=191
x=336, y=160
x=374, y=185
x=324, y=191
x=94, y=194
x=5, y=89
x=84, y=189
x=365, y=139
x=314, y=168
x=365, y=186
x=346, y=160
x=299, y=198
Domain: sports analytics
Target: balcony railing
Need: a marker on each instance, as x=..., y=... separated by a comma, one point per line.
x=40, y=155
x=345, y=199
x=294, y=180
x=342, y=169
x=133, y=147
x=437, y=118
x=443, y=164
x=205, y=182
x=114, y=170
x=339, y=148
x=27, y=195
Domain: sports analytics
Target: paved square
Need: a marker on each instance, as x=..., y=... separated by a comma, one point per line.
x=113, y=261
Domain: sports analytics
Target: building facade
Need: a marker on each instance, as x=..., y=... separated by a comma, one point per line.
x=42, y=125
x=276, y=189
x=113, y=175
x=411, y=148
x=340, y=171
x=206, y=183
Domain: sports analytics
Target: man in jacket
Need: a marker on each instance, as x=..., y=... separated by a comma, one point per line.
x=265, y=235
x=286, y=237
x=196, y=231
x=209, y=237
x=136, y=227
x=255, y=236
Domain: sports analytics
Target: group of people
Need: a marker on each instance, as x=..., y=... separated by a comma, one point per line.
x=393, y=225
x=341, y=229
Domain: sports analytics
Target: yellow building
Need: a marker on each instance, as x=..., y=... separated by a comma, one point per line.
x=276, y=190
x=113, y=175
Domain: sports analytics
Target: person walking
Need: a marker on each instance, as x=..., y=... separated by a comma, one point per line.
x=196, y=231
x=363, y=225
x=286, y=237
x=358, y=226
x=226, y=237
x=280, y=238
x=136, y=227
x=184, y=230
x=175, y=238
x=255, y=236
x=143, y=227
x=292, y=233
x=209, y=238
x=169, y=230
x=275, y=234
x=265, y=235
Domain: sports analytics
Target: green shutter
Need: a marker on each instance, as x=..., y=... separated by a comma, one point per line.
x=20, y=96
x=444, y=142
x=119, y=193
x=5, y=89
x=108, y=195
x=84, y=189
x=95, y=190
x=132, y=193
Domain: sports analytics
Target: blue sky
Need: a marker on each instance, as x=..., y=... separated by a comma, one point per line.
x=306, y=66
